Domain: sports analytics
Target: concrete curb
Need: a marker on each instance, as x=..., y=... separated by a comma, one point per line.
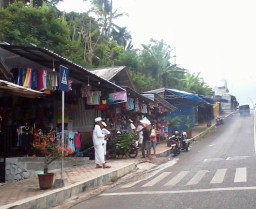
x=58, y=196
x=208, y=130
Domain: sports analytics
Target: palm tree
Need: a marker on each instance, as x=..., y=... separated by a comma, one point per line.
x=156, y=59
x=121, y=35
x=104, y=11
x=194, y=83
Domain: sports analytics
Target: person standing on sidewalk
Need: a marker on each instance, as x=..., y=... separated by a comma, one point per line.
x=139, y=131
x=153, y=140
x=146, y=141
x=131, y=128
x=107, y=134
x=98, y=142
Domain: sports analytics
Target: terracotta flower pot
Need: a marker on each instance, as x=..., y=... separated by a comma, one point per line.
x=46, y=180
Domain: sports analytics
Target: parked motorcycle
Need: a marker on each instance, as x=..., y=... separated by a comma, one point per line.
x=174, y=143
x=184, y=141
x=219, y=121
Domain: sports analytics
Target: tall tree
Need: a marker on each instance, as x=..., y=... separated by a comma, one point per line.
x=31, y=3
x=42, y=27
x=156, y=58
x=103, y=9
x=194, y=83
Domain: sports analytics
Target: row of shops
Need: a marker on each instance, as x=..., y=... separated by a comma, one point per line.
x=31, y=100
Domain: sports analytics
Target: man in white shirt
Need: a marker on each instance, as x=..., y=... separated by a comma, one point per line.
x=98, y=142
x=132, y=126
x=140, y=133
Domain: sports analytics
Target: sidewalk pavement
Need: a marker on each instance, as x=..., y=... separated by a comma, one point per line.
x=26, y=194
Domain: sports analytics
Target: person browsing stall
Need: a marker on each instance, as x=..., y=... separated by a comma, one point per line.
x=107, y=134
x=146, y=141
x=132, y=128
x=153, y=141
x=139, y=131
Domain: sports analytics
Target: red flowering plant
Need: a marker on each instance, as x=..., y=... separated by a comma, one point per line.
x=50, y=148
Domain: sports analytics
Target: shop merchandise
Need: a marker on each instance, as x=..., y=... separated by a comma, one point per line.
x=25, y=138
x=37, y=79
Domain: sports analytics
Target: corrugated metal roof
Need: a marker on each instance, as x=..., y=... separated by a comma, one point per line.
x=135, y=94
x=155, y=91
x=159, y=99
x=31, y=56
x=19, y=90
x=177, y=97
x=107, y=73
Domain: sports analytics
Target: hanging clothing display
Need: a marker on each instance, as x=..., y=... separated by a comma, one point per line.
x=25, y=138
x=144, y=109
x=131, y=103
x=37, y=79
x=117, y=97
x=86, y=91
x=94, y=98
x=71, y=141
x=136, y=105
x=77, y=141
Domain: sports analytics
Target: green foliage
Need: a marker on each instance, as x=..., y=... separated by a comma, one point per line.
x=174, y=122
x=188, y=122
x=96, y=42
x=195, y=84
x=130, y=59
x=107, y=54
x=25, y=26
x=121, y=143
x=144, y=83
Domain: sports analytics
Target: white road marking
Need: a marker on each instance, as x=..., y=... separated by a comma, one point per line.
x=131, y=184
x=156, y=179
x=241, y=175
x=180, y=191
x=212, y=159
x=219, y=176
x=197, y=178
x=177, y=178
x=237, y=158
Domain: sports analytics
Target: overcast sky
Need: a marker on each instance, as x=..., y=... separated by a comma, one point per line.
x=214, y=37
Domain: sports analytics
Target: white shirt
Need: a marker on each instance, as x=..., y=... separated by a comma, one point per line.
x=105, y=131
x=97, y=136
x=139, y=128
x=132, y=126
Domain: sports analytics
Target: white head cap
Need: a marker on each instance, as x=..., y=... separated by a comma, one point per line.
x=104, y=124
x=130, y=120
x=98, y=119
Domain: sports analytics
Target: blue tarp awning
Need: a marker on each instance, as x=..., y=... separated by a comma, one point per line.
x=177, y=97
x=207, y=99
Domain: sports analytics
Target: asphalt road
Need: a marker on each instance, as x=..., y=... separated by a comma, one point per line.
x=218, y=172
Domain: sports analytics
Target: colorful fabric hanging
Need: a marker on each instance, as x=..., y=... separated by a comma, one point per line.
x=29, y=76
x=34, y=79
x=94, y=98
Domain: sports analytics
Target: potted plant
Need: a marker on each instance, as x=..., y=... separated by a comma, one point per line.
x=188, y=123
x=173, y=123
x=51, y=149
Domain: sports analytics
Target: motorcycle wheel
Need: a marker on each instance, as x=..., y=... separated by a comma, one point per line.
x=176, y=152
x=133, y=152
x=187, y=148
